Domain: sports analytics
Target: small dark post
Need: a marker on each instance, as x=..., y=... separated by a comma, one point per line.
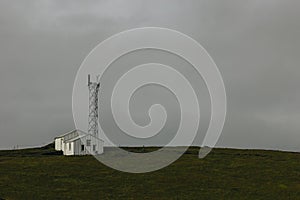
x=89, y=80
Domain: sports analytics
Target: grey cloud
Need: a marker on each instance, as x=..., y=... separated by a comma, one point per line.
x=254, y=43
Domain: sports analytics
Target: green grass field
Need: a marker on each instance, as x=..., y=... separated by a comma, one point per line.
x=223, y=174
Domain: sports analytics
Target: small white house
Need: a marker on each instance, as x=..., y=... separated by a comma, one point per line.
x=78, y=142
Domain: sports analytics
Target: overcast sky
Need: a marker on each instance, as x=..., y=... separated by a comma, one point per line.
x=255, y=44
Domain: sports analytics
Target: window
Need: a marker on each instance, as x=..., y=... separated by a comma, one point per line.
x=94, y=147
x=82, y=147
x=70, y=146
x=88, y=143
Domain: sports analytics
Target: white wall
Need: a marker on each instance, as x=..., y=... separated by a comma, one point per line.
x=100, y=146
x=88, y=150
x=69, y=149
x=58, y=144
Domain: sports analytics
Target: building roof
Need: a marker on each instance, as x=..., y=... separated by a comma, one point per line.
x=76, y=138
x=82, y=136
x=60, y=136
x=79, y=131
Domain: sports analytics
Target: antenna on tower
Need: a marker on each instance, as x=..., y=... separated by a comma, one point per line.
x=93, y=106
x=89, y=80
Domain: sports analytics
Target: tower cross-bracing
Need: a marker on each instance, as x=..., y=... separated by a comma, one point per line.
x=93, y=106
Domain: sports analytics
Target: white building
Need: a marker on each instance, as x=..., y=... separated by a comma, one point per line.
x=78, y=142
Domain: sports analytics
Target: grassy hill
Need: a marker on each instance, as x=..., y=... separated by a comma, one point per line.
x=42, y=173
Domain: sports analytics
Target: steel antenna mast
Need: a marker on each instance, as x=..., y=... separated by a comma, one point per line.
x=93, y=106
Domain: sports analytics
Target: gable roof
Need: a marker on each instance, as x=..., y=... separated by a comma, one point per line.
x=80, y=132
x=65, y=134
x=82, y=136
x=74, y=135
